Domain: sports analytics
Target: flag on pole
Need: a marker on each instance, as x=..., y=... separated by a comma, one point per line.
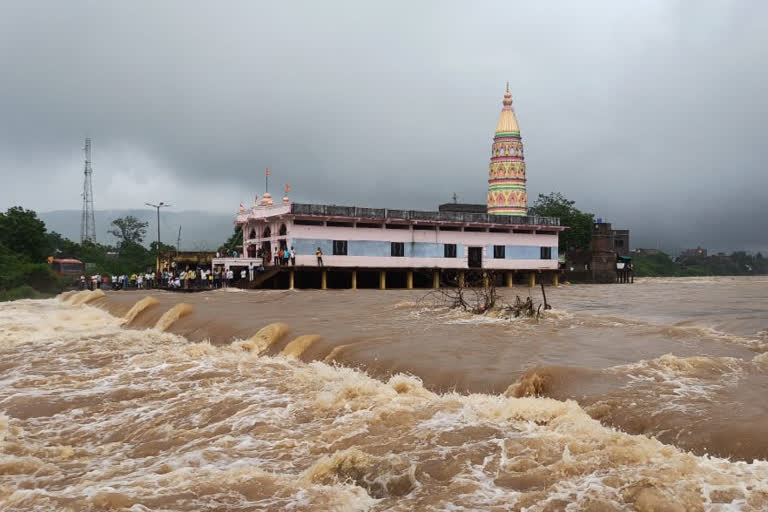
x=267, y=172
x=287, y=188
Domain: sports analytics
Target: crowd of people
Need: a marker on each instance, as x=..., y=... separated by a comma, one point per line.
x=277, y=256
x=189, y=278
x=193, y=277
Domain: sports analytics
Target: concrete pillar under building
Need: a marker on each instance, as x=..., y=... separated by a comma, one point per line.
x=290, y=280
x=532, y=280
x=409, y=280
x=354, y=279
x=508, y=277
x=486, y=280
x=436, y=279
x=323, y=280
x=461, y=279
x=556, y=279
x=383, y=280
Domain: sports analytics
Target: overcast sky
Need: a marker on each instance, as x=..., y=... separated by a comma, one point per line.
x=651, y=114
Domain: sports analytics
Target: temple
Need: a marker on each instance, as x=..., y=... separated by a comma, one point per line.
x=506, y=177
x=396, y=247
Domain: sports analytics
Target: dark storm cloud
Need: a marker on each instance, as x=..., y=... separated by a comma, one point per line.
x=648, y=113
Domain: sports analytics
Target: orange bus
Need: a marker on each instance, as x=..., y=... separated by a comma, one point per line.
x=67, y=267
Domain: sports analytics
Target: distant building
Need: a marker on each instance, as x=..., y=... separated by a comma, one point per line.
x=621, y=241
x=698, y=252
x=183, y=260
x=608, y=257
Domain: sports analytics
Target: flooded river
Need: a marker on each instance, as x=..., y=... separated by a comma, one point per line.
x=624, y=397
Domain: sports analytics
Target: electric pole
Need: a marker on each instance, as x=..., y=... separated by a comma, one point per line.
x=157, y=249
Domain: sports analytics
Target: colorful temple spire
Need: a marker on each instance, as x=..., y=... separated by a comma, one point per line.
x=506, y=178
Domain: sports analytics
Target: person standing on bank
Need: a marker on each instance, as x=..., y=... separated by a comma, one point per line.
x=293, y=256
x=319, y=254
x=250, y=271
x=276, y=256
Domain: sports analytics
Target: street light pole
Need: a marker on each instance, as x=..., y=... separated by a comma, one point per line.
x=157, y=248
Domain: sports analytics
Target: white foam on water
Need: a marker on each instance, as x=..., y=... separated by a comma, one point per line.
x=144, y=420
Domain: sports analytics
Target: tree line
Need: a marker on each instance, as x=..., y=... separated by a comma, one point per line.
x=26, y=245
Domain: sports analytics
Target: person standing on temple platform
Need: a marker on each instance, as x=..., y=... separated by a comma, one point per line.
x=319, y=254
x=293, y=256
x=250, y=270
x=286, y=256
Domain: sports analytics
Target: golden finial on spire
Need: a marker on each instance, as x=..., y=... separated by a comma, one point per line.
x=507, y=85
x=507, y=97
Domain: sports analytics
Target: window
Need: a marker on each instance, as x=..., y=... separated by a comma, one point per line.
x=267, y=232
x=283, y=230
x=339, y=247
x=546, y=253
x=498, y=252
x=252, y=235
x=398, y=249
x=450, y=250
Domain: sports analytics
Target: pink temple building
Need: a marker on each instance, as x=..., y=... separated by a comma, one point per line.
x=395, y=245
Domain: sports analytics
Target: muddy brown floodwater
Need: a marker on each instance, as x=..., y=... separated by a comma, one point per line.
x=640, y=397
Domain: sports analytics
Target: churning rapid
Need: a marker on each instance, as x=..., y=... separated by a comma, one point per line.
x=646, y=397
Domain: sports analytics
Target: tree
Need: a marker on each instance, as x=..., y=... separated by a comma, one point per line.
x=164, y=248
x=134, y=257
x=129, y=229
x=24, y=234
x=235, y=239
x=579, y=236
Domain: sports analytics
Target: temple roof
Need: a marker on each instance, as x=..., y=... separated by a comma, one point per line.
x=507, y=120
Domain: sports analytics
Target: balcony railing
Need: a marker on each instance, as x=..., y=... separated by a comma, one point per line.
x=415, y=215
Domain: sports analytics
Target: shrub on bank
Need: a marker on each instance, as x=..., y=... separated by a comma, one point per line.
x=20, y=292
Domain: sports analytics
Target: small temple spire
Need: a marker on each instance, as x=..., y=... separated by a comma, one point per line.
x=507, y=99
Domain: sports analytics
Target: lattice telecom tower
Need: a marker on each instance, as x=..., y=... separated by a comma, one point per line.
x=88, y=223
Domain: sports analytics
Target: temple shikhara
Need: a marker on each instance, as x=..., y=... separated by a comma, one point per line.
x=506, y=178
x=385, y=247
